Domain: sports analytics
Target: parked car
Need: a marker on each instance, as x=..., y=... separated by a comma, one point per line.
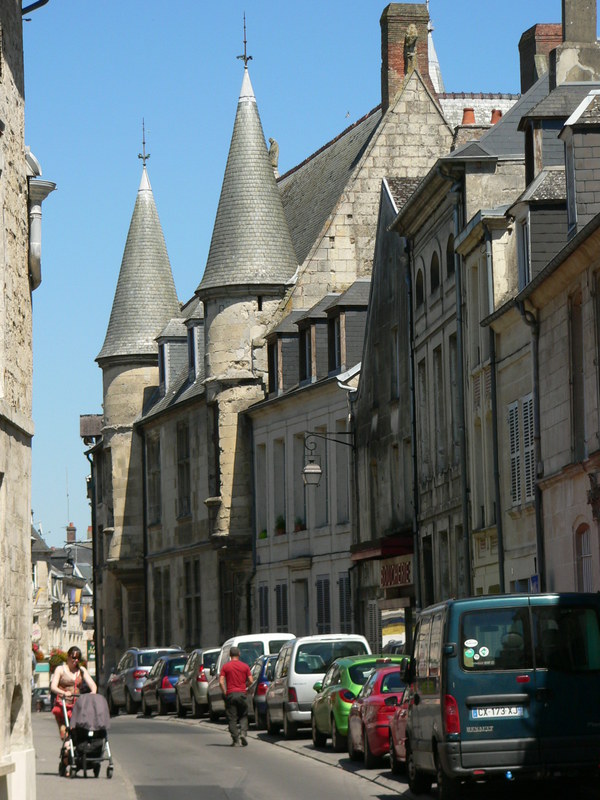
x=336, y=693
x=41, y=699
x=251, y=647
x=125, y=682
x=262, y=675
x=369, y=718
x=398, y=734
x=191, y=692
x=159, y=689
x=301, y=663
x=504, y=687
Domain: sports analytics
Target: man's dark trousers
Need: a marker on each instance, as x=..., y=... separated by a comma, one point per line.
x=236, y=706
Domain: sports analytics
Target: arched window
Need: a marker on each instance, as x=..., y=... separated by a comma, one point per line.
x=435, y=273
x=450, y=256
x=419, y=289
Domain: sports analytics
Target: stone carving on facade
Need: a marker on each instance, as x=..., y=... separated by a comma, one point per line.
x=410, y=47
x=274, y=156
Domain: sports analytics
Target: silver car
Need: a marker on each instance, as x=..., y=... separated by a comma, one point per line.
x=124, y=686
x=191, y=690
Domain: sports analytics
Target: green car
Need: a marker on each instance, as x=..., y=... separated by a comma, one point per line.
x=335, y=694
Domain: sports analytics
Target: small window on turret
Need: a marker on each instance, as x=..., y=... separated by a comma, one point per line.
x=162, y=367
x=259, y=303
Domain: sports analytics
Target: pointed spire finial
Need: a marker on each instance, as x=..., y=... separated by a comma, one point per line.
x=143, y=155
x=245, y=57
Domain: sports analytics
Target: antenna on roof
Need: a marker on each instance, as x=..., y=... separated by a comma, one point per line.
x=246, y=58
x=143, y=155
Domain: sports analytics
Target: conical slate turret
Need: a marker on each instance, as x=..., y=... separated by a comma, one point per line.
x=251, y=242
x=145, y=298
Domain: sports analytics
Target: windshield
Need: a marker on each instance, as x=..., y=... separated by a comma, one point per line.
x=314, y=658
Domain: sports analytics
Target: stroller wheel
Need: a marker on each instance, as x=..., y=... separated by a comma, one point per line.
x=109, y=772
x=96, y=770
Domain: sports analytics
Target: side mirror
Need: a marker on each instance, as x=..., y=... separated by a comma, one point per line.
x=392, y=700
x=318, y=686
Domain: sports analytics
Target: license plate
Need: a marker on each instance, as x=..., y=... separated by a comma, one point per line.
x=513, y=712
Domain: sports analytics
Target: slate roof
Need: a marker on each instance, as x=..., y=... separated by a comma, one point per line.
x=357, y=295
x=318, y=310
x=175, y=328
x=562, y=101
x=145, y=297
x=251, y=242
x=179, y=392
x=505, y=138
x=288, y=323
x=311, y=190
x=550, y=184
x=401, y=189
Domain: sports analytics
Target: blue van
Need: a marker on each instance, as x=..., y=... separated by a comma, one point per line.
x=504, y=687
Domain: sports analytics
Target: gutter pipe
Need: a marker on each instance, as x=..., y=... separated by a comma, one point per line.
x=97, y=641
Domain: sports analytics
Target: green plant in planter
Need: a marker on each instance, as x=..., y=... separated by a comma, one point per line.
x=299, y=524
x=280, y=525
x=263, y=534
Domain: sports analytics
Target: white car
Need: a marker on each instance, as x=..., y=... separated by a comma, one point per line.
x=301, y=663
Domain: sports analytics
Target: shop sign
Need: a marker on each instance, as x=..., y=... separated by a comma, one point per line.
x=396, y=572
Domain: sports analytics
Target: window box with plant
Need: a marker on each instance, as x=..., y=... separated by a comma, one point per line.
x=263, y=534
x=280, y=525
x=299, y=524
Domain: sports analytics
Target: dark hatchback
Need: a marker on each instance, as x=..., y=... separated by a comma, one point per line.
x=158, y=692
x=262, y=675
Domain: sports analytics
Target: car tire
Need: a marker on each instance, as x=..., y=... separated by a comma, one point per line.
x=368, y=757
x=418, y=782
x=338, y=741
x=272, y=727
x=163, y=706
x=353, y=753
x=212, y=715
x=113, y=710
x=131, y=706
x=181, y=710
x=290, y=729
x=448, y=788
x=197, y=709
x=146, y=710
x=319, y=739
x=396, y=766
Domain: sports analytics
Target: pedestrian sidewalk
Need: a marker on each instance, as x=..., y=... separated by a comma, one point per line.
x=50, y=786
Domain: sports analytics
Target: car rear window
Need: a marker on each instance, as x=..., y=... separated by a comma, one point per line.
x=360, y=672
x=313, y=658
x=496, y=639
x=250, y=651
x=567, y=638
x=275, y=645
x=208, y=659
x=392, y=683
x=175, y=666
x=147, y=659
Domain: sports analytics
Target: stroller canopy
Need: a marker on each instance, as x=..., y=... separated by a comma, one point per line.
x=90, y=712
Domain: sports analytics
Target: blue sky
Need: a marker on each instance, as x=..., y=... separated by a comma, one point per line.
x=95, y=68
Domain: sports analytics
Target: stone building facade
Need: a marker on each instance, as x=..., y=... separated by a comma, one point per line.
x=21, y=194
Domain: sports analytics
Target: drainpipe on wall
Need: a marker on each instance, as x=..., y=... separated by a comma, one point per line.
x=38, y=192
x=97, y=642
x=494, y=392
x=413, y=430
x=531, y=321
x=252, y=575
x=142, y=435
x=462, y=441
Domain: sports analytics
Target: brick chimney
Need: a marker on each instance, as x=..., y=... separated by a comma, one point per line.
x=577, y=58
x=71, y=533
x=534, y=48
x=404, y=45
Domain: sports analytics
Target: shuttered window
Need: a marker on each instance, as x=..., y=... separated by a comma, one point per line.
x=515, y=453
x=528, y=448
x=374, y=626
x=323, y=604
x=585, y=578
x=281, y=604
x=183, y=469
x=345, y=598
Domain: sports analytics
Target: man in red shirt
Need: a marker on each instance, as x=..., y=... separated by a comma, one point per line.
x=234, y=681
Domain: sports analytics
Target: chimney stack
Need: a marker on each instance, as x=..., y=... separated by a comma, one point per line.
x=71, y=533
x=577, y=58
x=534, y=48
x=404, y=46
x=579, y=20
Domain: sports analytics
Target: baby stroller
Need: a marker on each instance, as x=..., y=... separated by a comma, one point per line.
x=86, y=743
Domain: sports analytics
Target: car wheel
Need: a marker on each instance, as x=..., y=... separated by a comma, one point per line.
x=418, y=782
x=396, y=766
x=146, y=710
x=131, y=706
x=368, y=757
x=163, y=706
x=212, y=715
x=319, y=739
x=337, y=740
x=448, y=788
x=181, y=710
x=352, y=751
x=113, y=710
x=272, y=727
x=197, y=709
x=290, y=729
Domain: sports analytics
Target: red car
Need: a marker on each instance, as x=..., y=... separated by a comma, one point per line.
x=398, y=734
x=370, y=714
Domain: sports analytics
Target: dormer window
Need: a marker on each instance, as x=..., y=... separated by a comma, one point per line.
x=191, y=346
x=162, y=367
x=571, y=187
x=334, y=336
x=305, y=354
x=273, y=358
x=523, y=244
